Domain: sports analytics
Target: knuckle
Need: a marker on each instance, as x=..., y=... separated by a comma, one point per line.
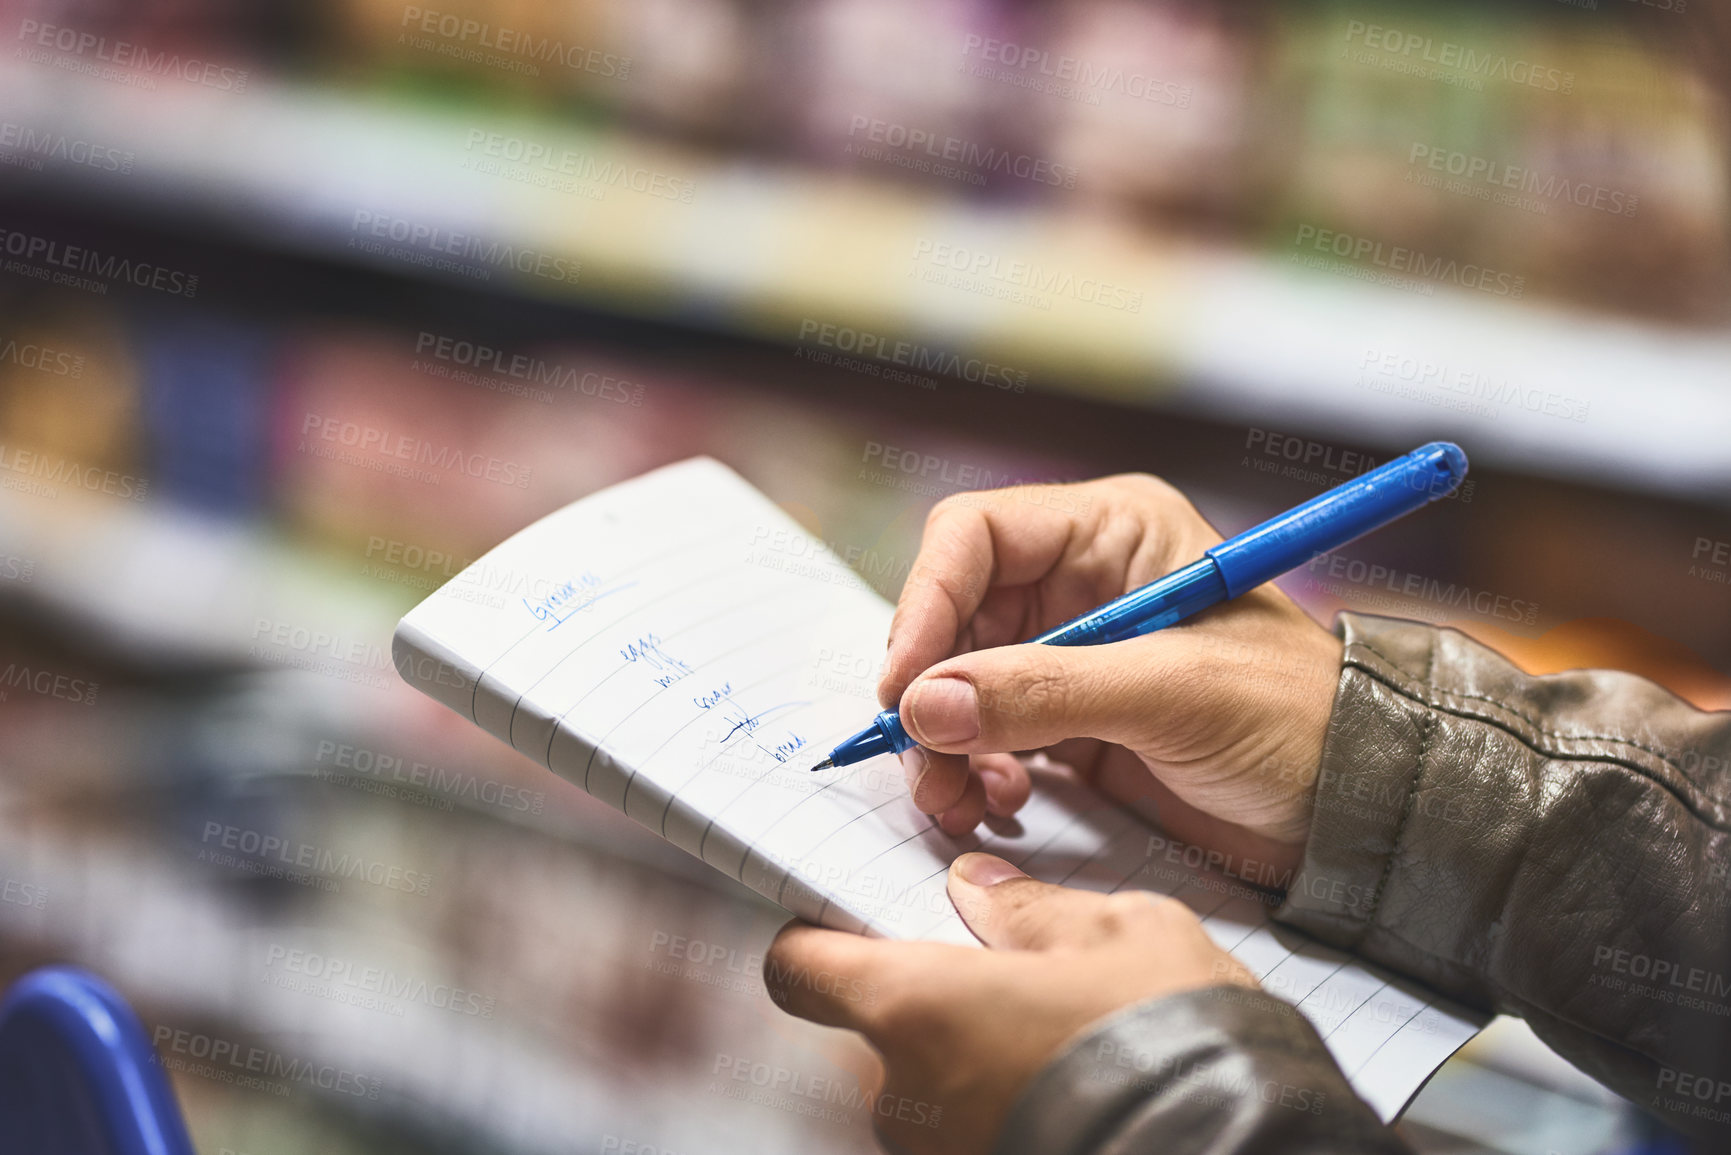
x=1145, y=491
x=1145, y=487
x=1130, y=907
x=1118, y=915
x=953, y=506
x=1151, y=909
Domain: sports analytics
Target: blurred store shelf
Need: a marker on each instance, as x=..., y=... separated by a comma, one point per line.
x=350, y=1004
x=200, y=592
x=1083, y=301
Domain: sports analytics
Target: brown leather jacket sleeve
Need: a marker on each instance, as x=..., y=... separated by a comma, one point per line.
x=1551, y=847
x=1222, y=1071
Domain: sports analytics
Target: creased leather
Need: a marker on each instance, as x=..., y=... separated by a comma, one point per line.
x=1551, y=847
x=1222, y=1071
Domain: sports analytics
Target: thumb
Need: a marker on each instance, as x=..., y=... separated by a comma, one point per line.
x=1007, y=910
x=1030, y=696
x=826, y=976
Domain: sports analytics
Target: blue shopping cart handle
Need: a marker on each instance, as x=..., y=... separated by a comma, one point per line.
x=77, y=1073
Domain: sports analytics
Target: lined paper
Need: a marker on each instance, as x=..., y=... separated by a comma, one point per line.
x=682, y=649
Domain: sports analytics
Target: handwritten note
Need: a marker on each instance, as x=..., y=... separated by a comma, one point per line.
x=570, y=598
x=665, y=659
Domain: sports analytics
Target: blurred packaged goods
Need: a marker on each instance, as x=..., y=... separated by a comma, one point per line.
x=1087, y=190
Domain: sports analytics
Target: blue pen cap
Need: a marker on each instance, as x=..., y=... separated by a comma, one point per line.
x=1343, y=514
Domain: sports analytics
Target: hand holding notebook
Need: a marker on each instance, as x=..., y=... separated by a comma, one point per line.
x=660, y=644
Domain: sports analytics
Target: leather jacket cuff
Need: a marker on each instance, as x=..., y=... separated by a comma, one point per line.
x=1225, y=1069
x=1390, y=869
x=1547, y=846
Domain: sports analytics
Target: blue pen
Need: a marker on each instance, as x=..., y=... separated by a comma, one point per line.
x=1324, y=523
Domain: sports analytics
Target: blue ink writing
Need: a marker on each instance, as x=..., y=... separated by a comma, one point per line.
x=714, y=698
x=570, y=598
x=751, y=723
x=648, y=651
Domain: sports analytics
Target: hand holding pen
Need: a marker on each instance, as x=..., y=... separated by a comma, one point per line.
x=1220, y=724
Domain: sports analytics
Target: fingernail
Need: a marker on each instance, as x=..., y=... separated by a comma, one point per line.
x=944, y=710
x=985, y=869
x=914, y=763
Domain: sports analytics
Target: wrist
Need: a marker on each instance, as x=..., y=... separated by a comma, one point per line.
x=1291, y=776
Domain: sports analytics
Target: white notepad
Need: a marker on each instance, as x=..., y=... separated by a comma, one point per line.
x=683, y=650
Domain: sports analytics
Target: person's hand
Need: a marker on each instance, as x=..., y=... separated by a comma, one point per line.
x=1218, y=721
x=963, y=1030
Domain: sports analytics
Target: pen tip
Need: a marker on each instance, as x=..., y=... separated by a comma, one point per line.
x=824, y=765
